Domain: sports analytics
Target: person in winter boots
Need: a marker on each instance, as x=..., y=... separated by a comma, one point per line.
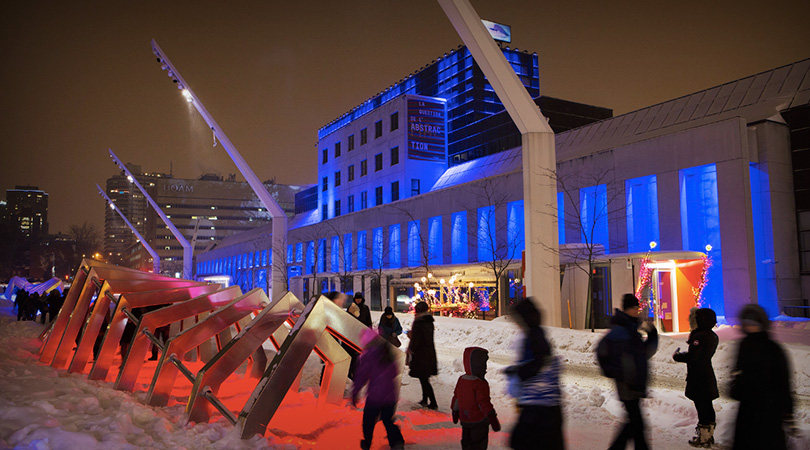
x=471, y=403
x=389, y=327
x=701, y=384
x=535, y=383
x=422, y=353
x=623, y=356
x=761, y=382
x=377, y=367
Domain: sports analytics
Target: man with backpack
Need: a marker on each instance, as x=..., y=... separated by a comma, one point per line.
x=623, y=355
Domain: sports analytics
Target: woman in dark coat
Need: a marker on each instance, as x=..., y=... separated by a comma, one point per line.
x=422, y=353
x=389, y=327
x=762, y=385
x=701, y=384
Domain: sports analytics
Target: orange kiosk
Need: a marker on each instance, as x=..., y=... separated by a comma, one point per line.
x=674, y=283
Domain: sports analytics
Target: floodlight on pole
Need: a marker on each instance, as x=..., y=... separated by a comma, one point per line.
x=542, y=279
x=188, y=251
x=149, y=249
x=279, y=240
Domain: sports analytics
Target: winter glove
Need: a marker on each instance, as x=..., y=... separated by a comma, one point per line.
x=493, y=420
x=790, y=427
x=455, y=416
x=676, y=353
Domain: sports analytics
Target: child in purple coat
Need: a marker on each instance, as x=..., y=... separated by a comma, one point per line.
x=377, y=367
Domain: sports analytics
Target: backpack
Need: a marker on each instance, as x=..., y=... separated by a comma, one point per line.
x=605, y=356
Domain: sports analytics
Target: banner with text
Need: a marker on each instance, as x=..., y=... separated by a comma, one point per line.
x=427, y=125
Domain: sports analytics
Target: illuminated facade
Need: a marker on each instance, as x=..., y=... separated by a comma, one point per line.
x=720, y=174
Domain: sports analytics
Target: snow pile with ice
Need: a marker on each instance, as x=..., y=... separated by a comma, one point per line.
x=45, y=408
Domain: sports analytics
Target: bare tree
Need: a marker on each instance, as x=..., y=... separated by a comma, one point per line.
x=600, y=206
x=493, y=236
x=378, y=258
x=344, y=254
x=316, y=234
x=87, y=238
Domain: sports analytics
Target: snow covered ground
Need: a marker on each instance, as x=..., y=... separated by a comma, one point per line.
x=45, y=408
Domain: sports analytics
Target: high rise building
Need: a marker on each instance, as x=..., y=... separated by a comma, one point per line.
x=28, y=211
x=204, y=210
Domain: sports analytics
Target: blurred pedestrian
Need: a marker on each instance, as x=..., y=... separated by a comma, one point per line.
x=471, y=404
x=422, y=353
x=22, y=304
x=389, y=327
x=378, y=369
x=701, y=384
x=535, y=383
x=761, y=382
x=53, y=304
x=623, y=356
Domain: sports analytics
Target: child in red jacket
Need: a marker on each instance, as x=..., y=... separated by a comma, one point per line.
x=471, y=403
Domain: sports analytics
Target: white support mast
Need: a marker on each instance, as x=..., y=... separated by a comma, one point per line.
x=188, y=251
x=279, y=218
x=542, y=279
x=149, y=249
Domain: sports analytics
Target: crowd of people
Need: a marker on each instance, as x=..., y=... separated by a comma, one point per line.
x=29, y=305
x=761, y=380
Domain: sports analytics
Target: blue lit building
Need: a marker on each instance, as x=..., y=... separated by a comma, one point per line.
x=726, y=167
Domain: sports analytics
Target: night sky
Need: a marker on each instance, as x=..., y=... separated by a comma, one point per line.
x=80, y=77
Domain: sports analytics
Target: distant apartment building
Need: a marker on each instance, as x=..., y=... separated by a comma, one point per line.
x=27, y=209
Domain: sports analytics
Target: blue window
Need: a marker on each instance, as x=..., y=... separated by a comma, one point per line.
x=290, y=254
x=414, y=244
x=486, y=233
x=435, y=240
x=361, y=250
x=377, y=249
x=322, y=255
x=335, y=254
x=364, y=200
x=299, y=252
x=347, y=252
x=700, y=226
x=515, y=230
x=594, y=214
x=642, y=213
x=561, y=217
x=394, y=255
x=310, y=257
x=458, y=238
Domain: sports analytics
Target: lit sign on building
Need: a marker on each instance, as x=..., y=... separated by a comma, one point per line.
x=427, y=126
x=498, y=31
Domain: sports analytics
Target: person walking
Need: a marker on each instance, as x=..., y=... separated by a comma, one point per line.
x=761, y=383
x=534, y=381
x=378, y=369
x=701, y=384
x=623, y=355
x=422, y=353
x=365, y=313
x=389, y=327
x=471, y=403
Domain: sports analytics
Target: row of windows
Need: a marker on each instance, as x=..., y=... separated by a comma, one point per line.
x=348, y=254
x=378, y=132
x=226, y=265
x=378, y=198
x=378, y=166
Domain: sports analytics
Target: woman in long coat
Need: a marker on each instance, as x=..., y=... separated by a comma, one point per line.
x=701, y=384
x=422, y=353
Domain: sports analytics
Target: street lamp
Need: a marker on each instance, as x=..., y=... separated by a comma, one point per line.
x=155, y=257
x=279, y=217
x=188, y=251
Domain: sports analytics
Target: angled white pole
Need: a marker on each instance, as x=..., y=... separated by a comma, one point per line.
x=188, y=251
x=155, y=256
x=279, y=218
x=542, y=278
